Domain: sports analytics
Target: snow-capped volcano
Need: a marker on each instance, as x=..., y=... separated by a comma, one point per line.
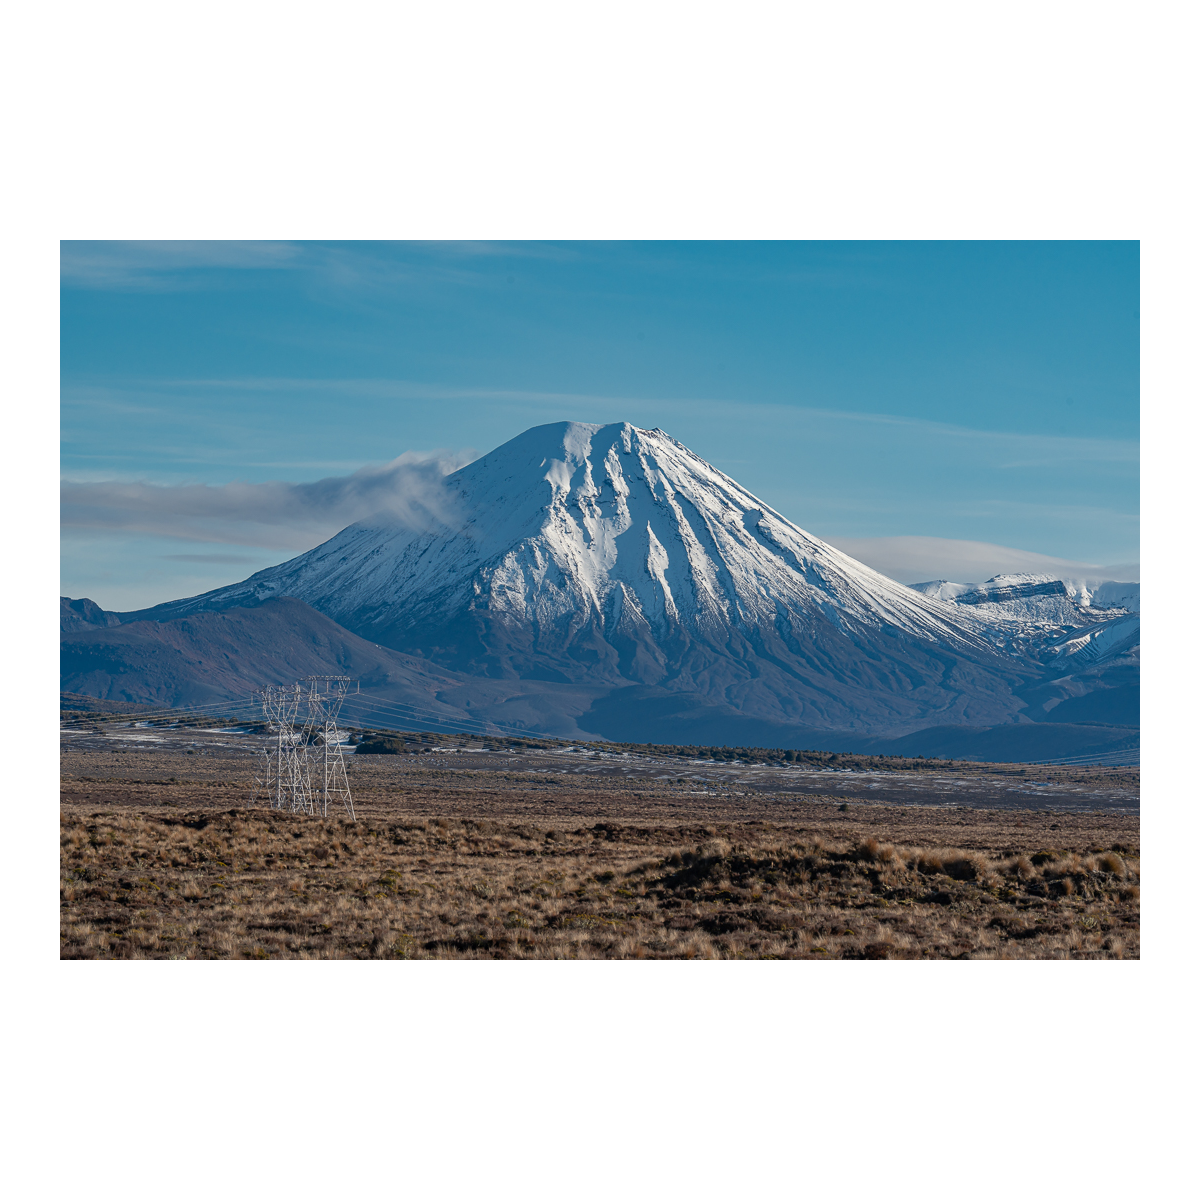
x=611, y=554
x=571, y=526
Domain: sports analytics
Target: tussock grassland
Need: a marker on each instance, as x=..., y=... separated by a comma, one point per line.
x=143, y=882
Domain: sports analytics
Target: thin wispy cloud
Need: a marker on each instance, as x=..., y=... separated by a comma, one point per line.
x=226, y=560
x=166, y=265
x=920, y=559
x=345, y=266
x=1003, y=507
x=364, y=266
x=1043, y=449
x=1014, y=450
x=409, y=491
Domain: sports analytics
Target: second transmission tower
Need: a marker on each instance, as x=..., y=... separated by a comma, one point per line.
x=285, y=775
x=325, y=696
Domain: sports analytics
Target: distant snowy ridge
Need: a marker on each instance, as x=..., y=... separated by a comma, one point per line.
x=1087, y=593
x=1068, y=618
x=1113, y=594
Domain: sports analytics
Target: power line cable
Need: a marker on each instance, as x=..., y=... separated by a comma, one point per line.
x=216, y=707
x=398, y=710
x=474, y=725
x=463, y=718
x=402, y=708
x=413, y=712
x=164, y=720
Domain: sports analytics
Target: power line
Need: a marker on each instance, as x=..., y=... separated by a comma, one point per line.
x=326, y=695
x=408, y=722
x=429, y=715
x=177, y=707
x=284, y=778
x=215, y=708
x=399, y=710
x=416, y=715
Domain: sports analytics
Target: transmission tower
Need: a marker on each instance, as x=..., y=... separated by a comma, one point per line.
x=325, y=696
x=285, y=773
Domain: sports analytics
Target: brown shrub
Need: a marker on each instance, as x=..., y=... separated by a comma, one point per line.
x=967, y=867
x=872, y=851
x=1021, y=866
x=928, y=863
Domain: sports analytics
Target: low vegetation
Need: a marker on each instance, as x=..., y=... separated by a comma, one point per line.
x=379, y=741
x=249, y=883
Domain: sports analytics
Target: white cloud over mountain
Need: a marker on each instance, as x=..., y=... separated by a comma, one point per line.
x=276, y=514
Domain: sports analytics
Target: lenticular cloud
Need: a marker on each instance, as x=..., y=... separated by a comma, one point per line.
x=409, y=492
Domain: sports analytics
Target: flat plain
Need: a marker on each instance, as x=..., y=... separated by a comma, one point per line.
x=583, y=852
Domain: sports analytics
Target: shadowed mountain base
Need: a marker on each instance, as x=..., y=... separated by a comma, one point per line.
x=214, y=656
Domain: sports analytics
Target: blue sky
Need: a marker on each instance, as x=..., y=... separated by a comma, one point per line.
x=980, y=392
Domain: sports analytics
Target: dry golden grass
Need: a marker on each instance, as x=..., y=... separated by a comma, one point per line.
x=149, y=882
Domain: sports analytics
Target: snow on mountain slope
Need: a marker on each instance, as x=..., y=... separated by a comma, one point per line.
x=1023, y=599
x=1026, y=599
x=607, y=553
x=943, y=589
x=1117, y=595
x=1106, y=640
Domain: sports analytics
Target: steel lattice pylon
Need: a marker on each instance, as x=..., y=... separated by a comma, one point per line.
x=325, y=696
x=285, y=773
